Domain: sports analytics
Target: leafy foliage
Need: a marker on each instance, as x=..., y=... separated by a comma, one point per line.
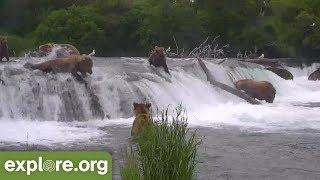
x=18, y=46
x=75, y=25
x=278, y=28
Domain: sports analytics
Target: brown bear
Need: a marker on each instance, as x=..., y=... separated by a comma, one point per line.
x=4, y=52
x=73, y=64
x=158, y=58
x=45, y=49
x=261, y=90
x=63, y=50
x=142, y=114
x=315, y=75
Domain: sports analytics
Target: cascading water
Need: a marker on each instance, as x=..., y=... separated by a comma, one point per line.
x=56, y=108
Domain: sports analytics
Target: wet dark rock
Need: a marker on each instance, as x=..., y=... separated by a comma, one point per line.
x=73, y=107
x=315, y=75
x=283, y=73
x=2, y=82
x=95, y=106
x=13, y=71
x=265, y=62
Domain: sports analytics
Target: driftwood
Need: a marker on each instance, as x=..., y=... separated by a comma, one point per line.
x=225, y=87
x=177, y=54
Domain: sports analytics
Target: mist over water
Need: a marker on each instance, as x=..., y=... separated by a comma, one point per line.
x=54, y=108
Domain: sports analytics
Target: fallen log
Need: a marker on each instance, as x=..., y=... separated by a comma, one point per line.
x=225, y=87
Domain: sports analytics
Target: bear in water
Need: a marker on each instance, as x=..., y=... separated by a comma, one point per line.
x=261, y=90
x=63, y=50
x=142, y=114
x=315, y=75
x=4, y=52
x=158, y=58
x=72, y=64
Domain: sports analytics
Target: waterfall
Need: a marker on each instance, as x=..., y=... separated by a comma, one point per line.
x=118, y=82
x=56, y=108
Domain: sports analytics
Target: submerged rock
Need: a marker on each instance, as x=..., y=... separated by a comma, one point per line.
x=265, y=62
x=283, y=73
x=315, y=75
x=273, y=65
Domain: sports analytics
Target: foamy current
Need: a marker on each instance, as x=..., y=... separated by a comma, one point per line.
x=41, y=108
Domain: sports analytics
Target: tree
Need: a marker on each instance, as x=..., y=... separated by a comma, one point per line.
x=132, y=27
x=76, y=25
x=156, y=23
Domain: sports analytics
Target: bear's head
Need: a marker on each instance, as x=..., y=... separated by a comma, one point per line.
x=85, y=65
x=241, y=84
x=159, y=52
x=237, y=85
x=3, y=40
x=157, y=57
x=141, y=108
x=45, y=49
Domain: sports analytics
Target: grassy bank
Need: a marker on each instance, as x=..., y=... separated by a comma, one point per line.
x=164, y=151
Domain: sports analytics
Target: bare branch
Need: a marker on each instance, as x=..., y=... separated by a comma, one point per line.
x=197, y=48
x=215, y=39
x=209, y=49
x=176, y=44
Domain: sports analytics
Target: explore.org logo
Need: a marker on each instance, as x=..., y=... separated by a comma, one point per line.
x=58, y=165
x=30, y=166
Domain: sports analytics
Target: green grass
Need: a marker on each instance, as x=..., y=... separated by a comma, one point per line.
x=130, y=169
x=165, y=151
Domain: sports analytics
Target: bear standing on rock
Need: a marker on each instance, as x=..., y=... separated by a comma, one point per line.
x=158, y=58
x=72, y=64
x=4, y=52
x=261, y=90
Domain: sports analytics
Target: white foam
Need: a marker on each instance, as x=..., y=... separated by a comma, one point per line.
x=45, y=132
x=267, y=116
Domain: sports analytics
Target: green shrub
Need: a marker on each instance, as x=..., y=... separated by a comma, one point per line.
x=165, y=151
x=75, y=25
x=20, y=45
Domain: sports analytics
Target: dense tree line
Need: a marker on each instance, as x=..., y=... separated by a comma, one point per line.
x=278, y=28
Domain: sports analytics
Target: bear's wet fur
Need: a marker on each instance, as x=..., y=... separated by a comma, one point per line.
x=62, y=51
x=72, y=64
x=142, y=117
x=4, y=50
x=158, y=58
x=262, y=90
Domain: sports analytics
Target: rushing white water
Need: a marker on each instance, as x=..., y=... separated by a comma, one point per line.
x=54, y=108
